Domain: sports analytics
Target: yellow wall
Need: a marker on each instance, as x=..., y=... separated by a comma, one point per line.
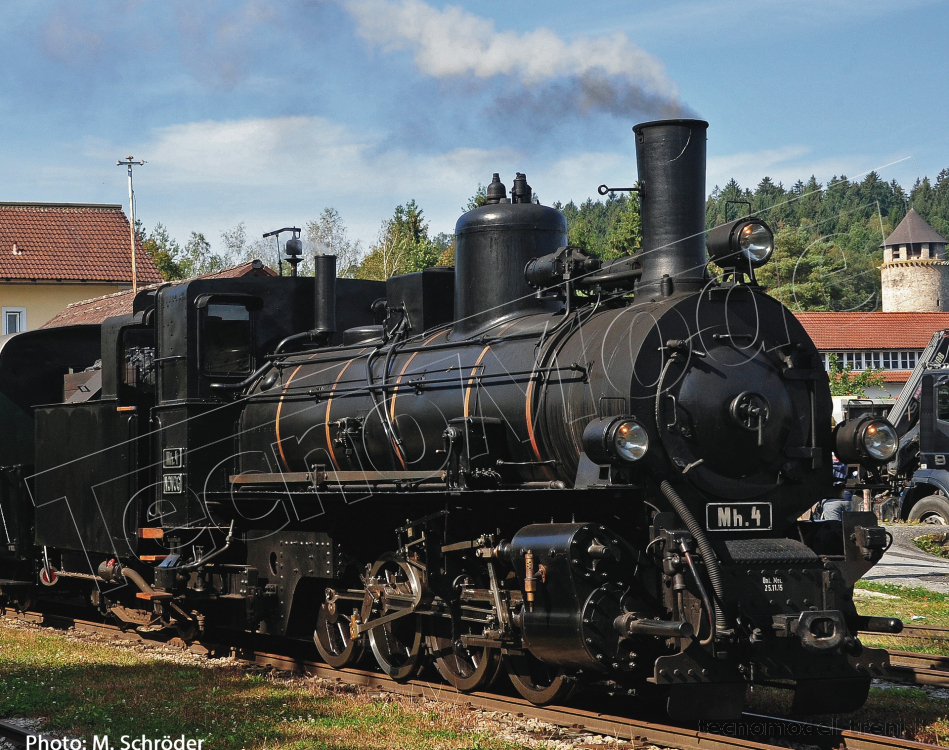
x=45, y=301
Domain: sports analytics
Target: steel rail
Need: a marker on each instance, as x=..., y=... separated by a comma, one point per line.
x=919, y=669
x=620, y=727
x=15, y=734
x=929, y=632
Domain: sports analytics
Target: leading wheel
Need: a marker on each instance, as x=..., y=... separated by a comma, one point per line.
x=187, y=630
x=397, y=644
x=933, y=509
x=464, y=668
x=539, y=683
x=333, y=640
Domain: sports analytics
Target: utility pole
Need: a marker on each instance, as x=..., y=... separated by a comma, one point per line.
x=129, y=161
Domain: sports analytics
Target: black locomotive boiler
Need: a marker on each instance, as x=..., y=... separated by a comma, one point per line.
x=588, y=473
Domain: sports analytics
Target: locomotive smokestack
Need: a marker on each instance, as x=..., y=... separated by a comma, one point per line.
x=324, y=272
x=671, y=159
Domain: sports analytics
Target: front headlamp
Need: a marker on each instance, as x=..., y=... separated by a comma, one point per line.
x=744, y=243
x=866, y=440
x=615, y=440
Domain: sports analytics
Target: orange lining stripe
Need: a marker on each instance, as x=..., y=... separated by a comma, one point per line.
x=530, y=420
x=395, y=392
x=529, y=414
x=283, y=458
x=329, y=405
x=405, y=367
x=474, y=369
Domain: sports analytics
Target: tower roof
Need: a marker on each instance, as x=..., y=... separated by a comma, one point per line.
x=911, y=230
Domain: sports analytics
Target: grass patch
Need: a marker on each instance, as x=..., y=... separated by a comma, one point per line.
x=934, y=544
x=83, y=689
x=910, y=602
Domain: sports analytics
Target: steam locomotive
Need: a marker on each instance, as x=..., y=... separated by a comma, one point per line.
x=588, y=473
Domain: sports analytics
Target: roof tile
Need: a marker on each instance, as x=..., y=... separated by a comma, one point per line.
x=872, y=330
x=120, y=303
x=69, y=242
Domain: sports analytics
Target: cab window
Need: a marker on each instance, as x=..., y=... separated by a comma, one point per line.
x=226, y=337
x=942, y=402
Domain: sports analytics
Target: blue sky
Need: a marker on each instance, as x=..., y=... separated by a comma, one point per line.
x=266, y=112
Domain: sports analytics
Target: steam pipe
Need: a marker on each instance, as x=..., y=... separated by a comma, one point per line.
x=246, y=381
x=324, y=274
x=211, y=555
x=135, y=578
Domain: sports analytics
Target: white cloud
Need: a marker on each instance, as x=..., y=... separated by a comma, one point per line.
x=751, y=164
x=311, y=152
x=453, y=42
x=206, y=176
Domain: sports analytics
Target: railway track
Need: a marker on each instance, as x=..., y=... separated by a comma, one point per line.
x=637, y=732
x=919, y=669
x=14, y=734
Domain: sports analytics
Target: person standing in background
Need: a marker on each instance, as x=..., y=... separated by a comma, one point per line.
x=832, y=509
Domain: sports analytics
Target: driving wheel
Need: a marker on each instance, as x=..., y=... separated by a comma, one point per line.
x=464, y=668
x=397, y=643
x=537, y=682
x=332, y=635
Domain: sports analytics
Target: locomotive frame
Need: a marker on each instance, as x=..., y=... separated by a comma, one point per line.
x=587, y=472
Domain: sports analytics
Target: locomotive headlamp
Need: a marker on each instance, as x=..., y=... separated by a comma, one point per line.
x=866, y=440
x=880, y=440
x=745, y=243
x=615, y=439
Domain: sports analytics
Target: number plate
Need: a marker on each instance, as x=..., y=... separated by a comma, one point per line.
x=738, y=516
x=172, y=484
x=171, y=458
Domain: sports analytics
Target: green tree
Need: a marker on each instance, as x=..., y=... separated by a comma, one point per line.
x=604, y=229
x=238, y=249
x=328, y=234
x=445, y=243
x=480, y=198
x=197, y=258
x=403, y=246
x=164, y=251
x=625, y=235
x=846, y=382
x=387, y=255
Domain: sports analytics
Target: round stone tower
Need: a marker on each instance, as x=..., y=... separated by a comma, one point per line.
x=915, y=270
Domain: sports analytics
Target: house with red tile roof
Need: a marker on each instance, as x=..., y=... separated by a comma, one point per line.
x=53, y=254
x=887, y=341
x=95, y=311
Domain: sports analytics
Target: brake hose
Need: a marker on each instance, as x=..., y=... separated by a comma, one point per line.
x=712, y=564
